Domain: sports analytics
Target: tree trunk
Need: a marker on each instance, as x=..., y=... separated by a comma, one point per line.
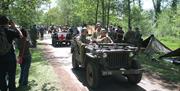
x=109, y=5
x=129, y=15
x=139, y=3
x=174, y=6
x=134, y=3
x=97, y=8
x=157, y=8
x=103, y=13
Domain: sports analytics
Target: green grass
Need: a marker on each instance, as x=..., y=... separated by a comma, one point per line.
x=172, y=43
x=41, y=77
x=166, y=70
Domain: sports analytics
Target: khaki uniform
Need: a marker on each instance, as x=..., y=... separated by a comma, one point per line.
x=95, y=35
x=106, y=39
x=82, y=41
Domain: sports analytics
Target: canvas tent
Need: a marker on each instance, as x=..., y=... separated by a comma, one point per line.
x=154, y=46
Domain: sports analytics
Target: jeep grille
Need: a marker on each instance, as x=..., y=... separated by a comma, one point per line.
x=117, y=60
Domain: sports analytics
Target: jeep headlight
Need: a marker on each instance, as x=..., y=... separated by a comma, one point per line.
x=104, y=55
x=131, y=54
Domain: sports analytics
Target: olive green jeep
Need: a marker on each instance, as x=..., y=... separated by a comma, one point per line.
x=105, y=60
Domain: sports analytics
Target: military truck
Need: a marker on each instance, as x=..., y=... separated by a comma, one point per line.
x=104, y=59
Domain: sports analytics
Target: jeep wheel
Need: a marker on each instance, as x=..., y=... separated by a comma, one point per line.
x=74, y=61
x=135, y=78
x=92, y=75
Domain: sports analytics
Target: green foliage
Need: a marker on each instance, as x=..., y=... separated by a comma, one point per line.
x=53, y=17
x=24, y=12
x=168, y=24
x=142, y=20
x=77, y=12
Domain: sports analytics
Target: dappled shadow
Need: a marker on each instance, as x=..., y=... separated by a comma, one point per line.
x=112, y=83
x=61, y=46
x=48, y=87
x=164, y=83
x=33, y=85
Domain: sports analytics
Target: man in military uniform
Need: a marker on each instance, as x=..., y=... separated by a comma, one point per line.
x=104, y=38
x=119, y=35
x=82, y=42
x=138, y=35
x=34, y=36
x=97, y=31
x=133, y=37
x=112, y=33
x=83, y=35
x=129, y=36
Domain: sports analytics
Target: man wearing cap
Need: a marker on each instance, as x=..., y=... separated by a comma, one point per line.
x=83, y=35
x=104, y=38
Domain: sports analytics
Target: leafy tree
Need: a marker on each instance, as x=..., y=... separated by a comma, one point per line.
x=25, y=12
x=126, y=13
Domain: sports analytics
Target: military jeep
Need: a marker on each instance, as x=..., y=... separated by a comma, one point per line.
x=60, y=39
x=105, y=60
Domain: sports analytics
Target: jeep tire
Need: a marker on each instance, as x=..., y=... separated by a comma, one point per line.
x=92, y=75
x=135, y=78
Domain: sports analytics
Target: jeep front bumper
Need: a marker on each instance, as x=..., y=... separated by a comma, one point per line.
x=121, y=71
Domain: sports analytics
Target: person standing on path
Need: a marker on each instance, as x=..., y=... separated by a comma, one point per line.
x=34, y=36
x=8, y=32
x=24, y=57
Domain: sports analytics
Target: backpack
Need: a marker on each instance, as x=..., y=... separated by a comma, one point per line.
x=5, y=46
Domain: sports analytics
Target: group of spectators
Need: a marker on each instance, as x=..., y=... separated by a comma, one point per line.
x=10, y=36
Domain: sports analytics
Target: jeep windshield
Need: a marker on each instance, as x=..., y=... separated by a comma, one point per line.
x=111, y=46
